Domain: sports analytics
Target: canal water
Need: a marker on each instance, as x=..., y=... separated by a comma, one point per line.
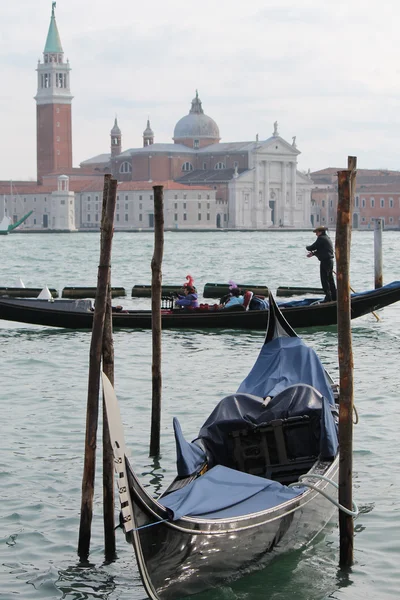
x=43, y=392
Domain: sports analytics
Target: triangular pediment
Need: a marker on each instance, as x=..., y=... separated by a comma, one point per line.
x=304, y=178
x=277, y=145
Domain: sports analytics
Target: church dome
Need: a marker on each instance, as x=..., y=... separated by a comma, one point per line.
x=196, y=124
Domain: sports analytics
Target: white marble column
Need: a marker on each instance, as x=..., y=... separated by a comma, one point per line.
x=283, y=208
x=266, y=208
x=293, y=194
x=255, y=195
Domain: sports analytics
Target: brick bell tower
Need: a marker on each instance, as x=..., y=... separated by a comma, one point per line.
x=53, y=107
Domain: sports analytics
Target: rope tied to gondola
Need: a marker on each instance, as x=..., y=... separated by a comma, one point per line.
x=121, y=525
x=149, y=525
x=353, y=513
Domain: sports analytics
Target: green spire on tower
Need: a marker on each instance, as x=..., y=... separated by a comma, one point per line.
x=53, y=42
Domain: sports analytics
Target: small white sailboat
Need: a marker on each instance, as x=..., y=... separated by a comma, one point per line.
x=4, y=225
x=7, y=225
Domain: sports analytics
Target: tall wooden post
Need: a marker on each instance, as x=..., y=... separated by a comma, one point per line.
x=108, y=368
x=92, y=411
x=346, y=188
x=378, y=253
x=156, y=282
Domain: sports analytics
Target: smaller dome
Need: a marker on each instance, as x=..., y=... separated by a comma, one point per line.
x=196, y=124
x=115, y=130
x=148, y=132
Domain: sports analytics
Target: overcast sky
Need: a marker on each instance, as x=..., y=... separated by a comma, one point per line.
x=328, y=72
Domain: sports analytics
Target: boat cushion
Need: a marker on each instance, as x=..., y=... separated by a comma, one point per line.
x=223, y=493
x=247, y=299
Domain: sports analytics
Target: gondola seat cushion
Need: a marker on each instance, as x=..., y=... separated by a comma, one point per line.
x=223, y=493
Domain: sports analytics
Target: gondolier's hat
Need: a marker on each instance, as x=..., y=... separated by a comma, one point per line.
x=320, y=228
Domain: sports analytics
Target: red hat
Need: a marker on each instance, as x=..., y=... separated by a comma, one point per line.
x=189, y=282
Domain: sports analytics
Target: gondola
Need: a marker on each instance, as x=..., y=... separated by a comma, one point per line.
x=309, y=312
x=258, y=480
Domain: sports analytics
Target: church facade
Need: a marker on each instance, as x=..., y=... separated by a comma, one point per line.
x=256, y=182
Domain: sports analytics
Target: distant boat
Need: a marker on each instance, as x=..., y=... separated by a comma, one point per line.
x=78, y=314
x=7, y=225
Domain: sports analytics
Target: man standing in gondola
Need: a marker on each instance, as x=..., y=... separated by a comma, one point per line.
x=322, y=248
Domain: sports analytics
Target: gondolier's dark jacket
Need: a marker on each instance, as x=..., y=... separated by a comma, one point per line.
x=322, y=248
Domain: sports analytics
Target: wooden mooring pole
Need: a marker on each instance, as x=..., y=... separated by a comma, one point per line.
x=346, y=188
x=156, y=281
x=378, y=253
x=96, y=347
x=108, y=369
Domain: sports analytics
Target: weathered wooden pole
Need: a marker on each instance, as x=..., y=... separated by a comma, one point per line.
x=346, y=188
x=156, y=281
x=378, y=253
x=108, y=368
x=92, y=410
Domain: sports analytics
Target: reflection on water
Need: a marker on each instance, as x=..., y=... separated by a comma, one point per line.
x=85, y=583
x=154, y=474
x=311, y=573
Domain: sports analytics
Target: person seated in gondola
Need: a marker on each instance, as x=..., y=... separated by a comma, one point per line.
x=235, y=299
x=189, y=299
x=117, y=308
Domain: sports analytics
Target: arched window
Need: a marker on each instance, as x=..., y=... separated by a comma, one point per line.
x=125, y=167
x=187, y=166
x=220, y=165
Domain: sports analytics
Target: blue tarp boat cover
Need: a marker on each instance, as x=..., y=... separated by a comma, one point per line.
x=282, y=362
x=226, y=493
x=292, y=374
x=244, y=411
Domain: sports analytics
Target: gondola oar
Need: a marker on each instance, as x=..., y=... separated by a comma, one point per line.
x=377, y=317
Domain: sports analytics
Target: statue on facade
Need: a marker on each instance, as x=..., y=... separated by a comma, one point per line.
x=275, y=129
x=294, y=141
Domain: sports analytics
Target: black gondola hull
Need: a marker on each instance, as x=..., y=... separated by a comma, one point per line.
x=185, y=557
x=54, y=314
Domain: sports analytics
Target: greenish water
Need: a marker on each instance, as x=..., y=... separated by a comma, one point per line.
x=43, y=391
